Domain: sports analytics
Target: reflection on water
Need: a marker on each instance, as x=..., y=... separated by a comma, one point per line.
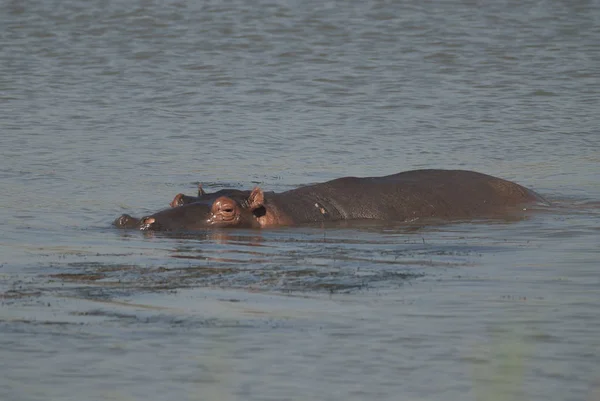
x=273, y=260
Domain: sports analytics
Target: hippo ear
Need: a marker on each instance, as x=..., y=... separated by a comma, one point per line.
x=200, y=190
x=146, y=223
x=256, y=199
x=177, y=201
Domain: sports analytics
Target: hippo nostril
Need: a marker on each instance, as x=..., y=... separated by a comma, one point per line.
x=125, y=221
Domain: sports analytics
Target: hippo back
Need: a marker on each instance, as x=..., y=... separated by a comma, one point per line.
x=448, y=194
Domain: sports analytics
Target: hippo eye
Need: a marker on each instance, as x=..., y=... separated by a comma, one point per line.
x=224, y=209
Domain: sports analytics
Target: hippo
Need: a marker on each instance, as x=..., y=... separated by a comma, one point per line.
x=402, y=197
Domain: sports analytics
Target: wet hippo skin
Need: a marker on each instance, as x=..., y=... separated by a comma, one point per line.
x=407, y=196
x=440, y=194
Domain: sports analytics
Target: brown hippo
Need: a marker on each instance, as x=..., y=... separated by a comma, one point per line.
x=407, y=196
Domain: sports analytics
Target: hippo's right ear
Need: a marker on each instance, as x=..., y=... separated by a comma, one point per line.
x=200, y=190
x=256, y=199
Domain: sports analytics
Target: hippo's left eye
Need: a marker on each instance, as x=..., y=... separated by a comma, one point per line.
x=224, y=209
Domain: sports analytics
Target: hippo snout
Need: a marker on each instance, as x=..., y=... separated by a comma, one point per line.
x=126, y=221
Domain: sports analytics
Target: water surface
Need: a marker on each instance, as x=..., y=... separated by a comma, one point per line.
x=114, y=107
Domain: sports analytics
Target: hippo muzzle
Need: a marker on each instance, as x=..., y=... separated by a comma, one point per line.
x=126, y=221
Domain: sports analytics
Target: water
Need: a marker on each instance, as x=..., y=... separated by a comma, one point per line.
x=114, y=107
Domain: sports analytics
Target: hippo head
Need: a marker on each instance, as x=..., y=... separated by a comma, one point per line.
x=218, y=213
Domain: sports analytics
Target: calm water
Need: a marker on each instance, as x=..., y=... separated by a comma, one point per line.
x=114, y=107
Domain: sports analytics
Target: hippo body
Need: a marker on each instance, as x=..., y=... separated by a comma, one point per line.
x=406, y=196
